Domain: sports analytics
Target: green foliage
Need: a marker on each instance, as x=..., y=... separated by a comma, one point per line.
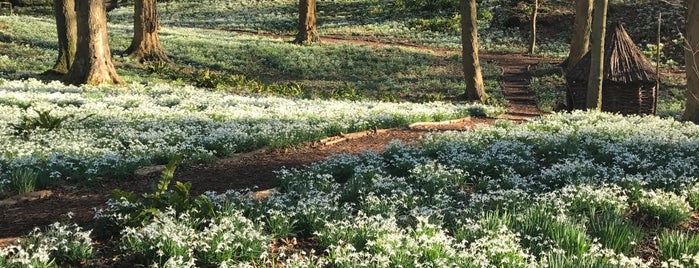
x=613, y=232
x=672, y=96
x=150, y=204
x=230, y=238
x=23, y=180
x=280, y=225
x=693, y=196
x=44, y=120
x=205, y=78
x=438, y=24
x=561, y=260
x=549, y=86
x=435, y=6
x=65, y=245
x=492, y=81
x=345, y=93
x=675, y=244
x=665, y=208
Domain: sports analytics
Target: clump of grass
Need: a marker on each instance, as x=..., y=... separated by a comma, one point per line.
x=667, y=208
x=615, y=233
x=560, y=259
x=23, y=180
x=66, y=245
x=693, y=196
x=675, y=244
x=543, y=231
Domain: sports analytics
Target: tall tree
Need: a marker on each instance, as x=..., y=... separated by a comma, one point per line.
x=145, y=45
x=93, y=60
x=580, y=42
x=691, y=112
x=599, y=28
x=475, y=90
x=532, y=37
x=308, y=30
x=66, y=27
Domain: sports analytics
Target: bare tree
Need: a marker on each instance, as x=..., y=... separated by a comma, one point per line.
x=532, y=37
x=691, y=112
x=475, y=90
x=599, y=27
x=66, y=27
x=93, y=59
x=145, y=45
x=580, y=42
x=308, y=30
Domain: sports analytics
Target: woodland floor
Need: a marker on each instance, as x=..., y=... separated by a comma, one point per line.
x=252, y=170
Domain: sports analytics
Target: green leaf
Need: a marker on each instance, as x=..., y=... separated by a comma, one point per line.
x=166, y=176
x=118, y=194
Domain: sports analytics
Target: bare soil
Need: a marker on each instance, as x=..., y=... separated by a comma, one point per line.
x=252, y=170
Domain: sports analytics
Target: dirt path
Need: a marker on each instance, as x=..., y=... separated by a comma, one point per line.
x=255, y=170
x=515, y=82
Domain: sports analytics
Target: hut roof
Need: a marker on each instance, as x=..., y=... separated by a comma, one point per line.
x=623, y=62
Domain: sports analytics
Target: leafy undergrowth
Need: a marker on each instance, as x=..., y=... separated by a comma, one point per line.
x=569, y=190
x=249, y=63
x=52, y=131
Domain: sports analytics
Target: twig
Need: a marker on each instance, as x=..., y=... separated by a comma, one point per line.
x=428, y=124
x=351, y=136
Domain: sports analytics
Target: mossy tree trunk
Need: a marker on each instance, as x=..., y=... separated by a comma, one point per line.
x=475, y=90
x=532, y=37
x=145, y=45
x=66, y=27
x=594, y=84
x=691, y=112
x=93, y=60
x=308, y=30
x=580, y=42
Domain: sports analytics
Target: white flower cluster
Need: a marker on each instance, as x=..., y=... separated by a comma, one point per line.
x=667, y=207
x=174, y=239
x=113, y=131
x=591, y=199
x=431, y=206
x=60, y=244
x=566, y=165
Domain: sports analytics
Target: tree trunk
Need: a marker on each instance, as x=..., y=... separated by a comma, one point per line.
x=580, y=42
x=594, y=84
x=532, y=37
x=308, y=30
x=66, y=27
x=93, y=60
x=691, y=112
x=145, y=45
x=469, y=42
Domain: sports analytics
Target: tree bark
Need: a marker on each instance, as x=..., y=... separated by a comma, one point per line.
x=580, y=42
x=308, y=30
x=66, y=27
x=145, y=45
x=93, y=60
x=532, y=37
x=475, y=90
x=594, y=84
x=691, y=112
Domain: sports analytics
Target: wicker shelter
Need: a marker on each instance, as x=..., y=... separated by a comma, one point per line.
x=629, y=85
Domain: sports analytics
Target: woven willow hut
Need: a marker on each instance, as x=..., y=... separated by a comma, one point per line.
x=629, y=85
